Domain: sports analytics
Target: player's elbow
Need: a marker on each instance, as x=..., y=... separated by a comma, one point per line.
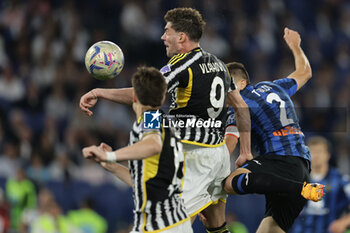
x=307, y=72
x=302, y=76
x=153, y=144
x=156, y=147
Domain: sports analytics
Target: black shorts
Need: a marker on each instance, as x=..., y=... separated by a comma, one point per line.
x=284, y=208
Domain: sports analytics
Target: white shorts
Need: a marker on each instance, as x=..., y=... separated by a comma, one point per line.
x=205, y=169
x=185, y=227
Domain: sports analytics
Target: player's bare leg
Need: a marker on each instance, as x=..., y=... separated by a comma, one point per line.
x=193, y=218
x=215, y=216
x=269, y=225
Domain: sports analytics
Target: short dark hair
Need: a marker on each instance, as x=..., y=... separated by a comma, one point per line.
x=238, y=69
x=317, y=140
x=149, y=86
x=187, y=20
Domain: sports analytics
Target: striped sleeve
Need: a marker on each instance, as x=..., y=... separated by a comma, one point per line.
x=288, y=84
x=175, y=72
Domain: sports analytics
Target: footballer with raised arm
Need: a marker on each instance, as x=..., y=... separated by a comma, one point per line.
x=282, y=169
x=201, y=86
x=155, y=162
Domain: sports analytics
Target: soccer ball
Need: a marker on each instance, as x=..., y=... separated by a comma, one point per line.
x=104, y=60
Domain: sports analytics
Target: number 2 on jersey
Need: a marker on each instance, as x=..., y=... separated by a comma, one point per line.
x=283, y=113
x=216, y=103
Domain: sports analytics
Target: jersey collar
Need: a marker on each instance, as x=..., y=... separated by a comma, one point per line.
x=248, y=88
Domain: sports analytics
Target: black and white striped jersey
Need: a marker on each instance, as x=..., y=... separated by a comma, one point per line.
x=199, y=82
x=157, y=182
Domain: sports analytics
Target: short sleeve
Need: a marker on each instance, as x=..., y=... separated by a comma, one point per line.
x=175, y=77
x=231, y=125
x=146, y=132
x=288, y=84
x=150, y=123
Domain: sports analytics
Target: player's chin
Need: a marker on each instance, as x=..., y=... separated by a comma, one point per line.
x=169, y=53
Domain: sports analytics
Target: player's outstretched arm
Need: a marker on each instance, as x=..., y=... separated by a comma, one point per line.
x=116, y=169
x=119, y=171
x=242, y=114
x=303, y=70
x=150, y=145
x=121, y=96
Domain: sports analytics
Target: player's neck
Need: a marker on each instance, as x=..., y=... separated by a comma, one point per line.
x=139, y=109
x=188, y=47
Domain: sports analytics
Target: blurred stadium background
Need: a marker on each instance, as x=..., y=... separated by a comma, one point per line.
x=42, y=77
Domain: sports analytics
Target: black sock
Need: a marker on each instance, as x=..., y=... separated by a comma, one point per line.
x=264, y=183
x=222, y=229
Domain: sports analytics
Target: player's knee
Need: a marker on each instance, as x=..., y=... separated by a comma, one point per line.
x=233, y=183
x=227, y=185
x=238, y=184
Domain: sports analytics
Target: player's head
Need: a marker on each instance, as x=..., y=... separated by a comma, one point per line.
x=320, y=151
x=149, y=86
x=184, y=26
x=239, y=74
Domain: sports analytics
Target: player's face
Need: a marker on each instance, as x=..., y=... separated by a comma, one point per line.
x=170, y=38
x=319, y=155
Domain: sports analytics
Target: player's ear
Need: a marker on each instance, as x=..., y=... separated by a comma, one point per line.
x=245, y=83
x=182, y=37
x=241, y=83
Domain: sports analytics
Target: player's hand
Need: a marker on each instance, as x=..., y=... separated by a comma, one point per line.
x=338, y=226
x=107, y=165
x=105, y=147
x=87, y=153
x=292, y=38
x=87, y=101
x=242, y=159
x=94, y=152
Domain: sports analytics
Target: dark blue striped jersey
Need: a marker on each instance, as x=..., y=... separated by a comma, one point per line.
x=317, y=216
x=274, y=123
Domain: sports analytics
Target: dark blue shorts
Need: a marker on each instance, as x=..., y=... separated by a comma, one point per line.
x=284, y=208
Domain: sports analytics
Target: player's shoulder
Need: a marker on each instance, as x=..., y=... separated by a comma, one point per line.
x=249, y=91
x=182, y=61
x=213, y=59
x=181, y=58
x=267, y=86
